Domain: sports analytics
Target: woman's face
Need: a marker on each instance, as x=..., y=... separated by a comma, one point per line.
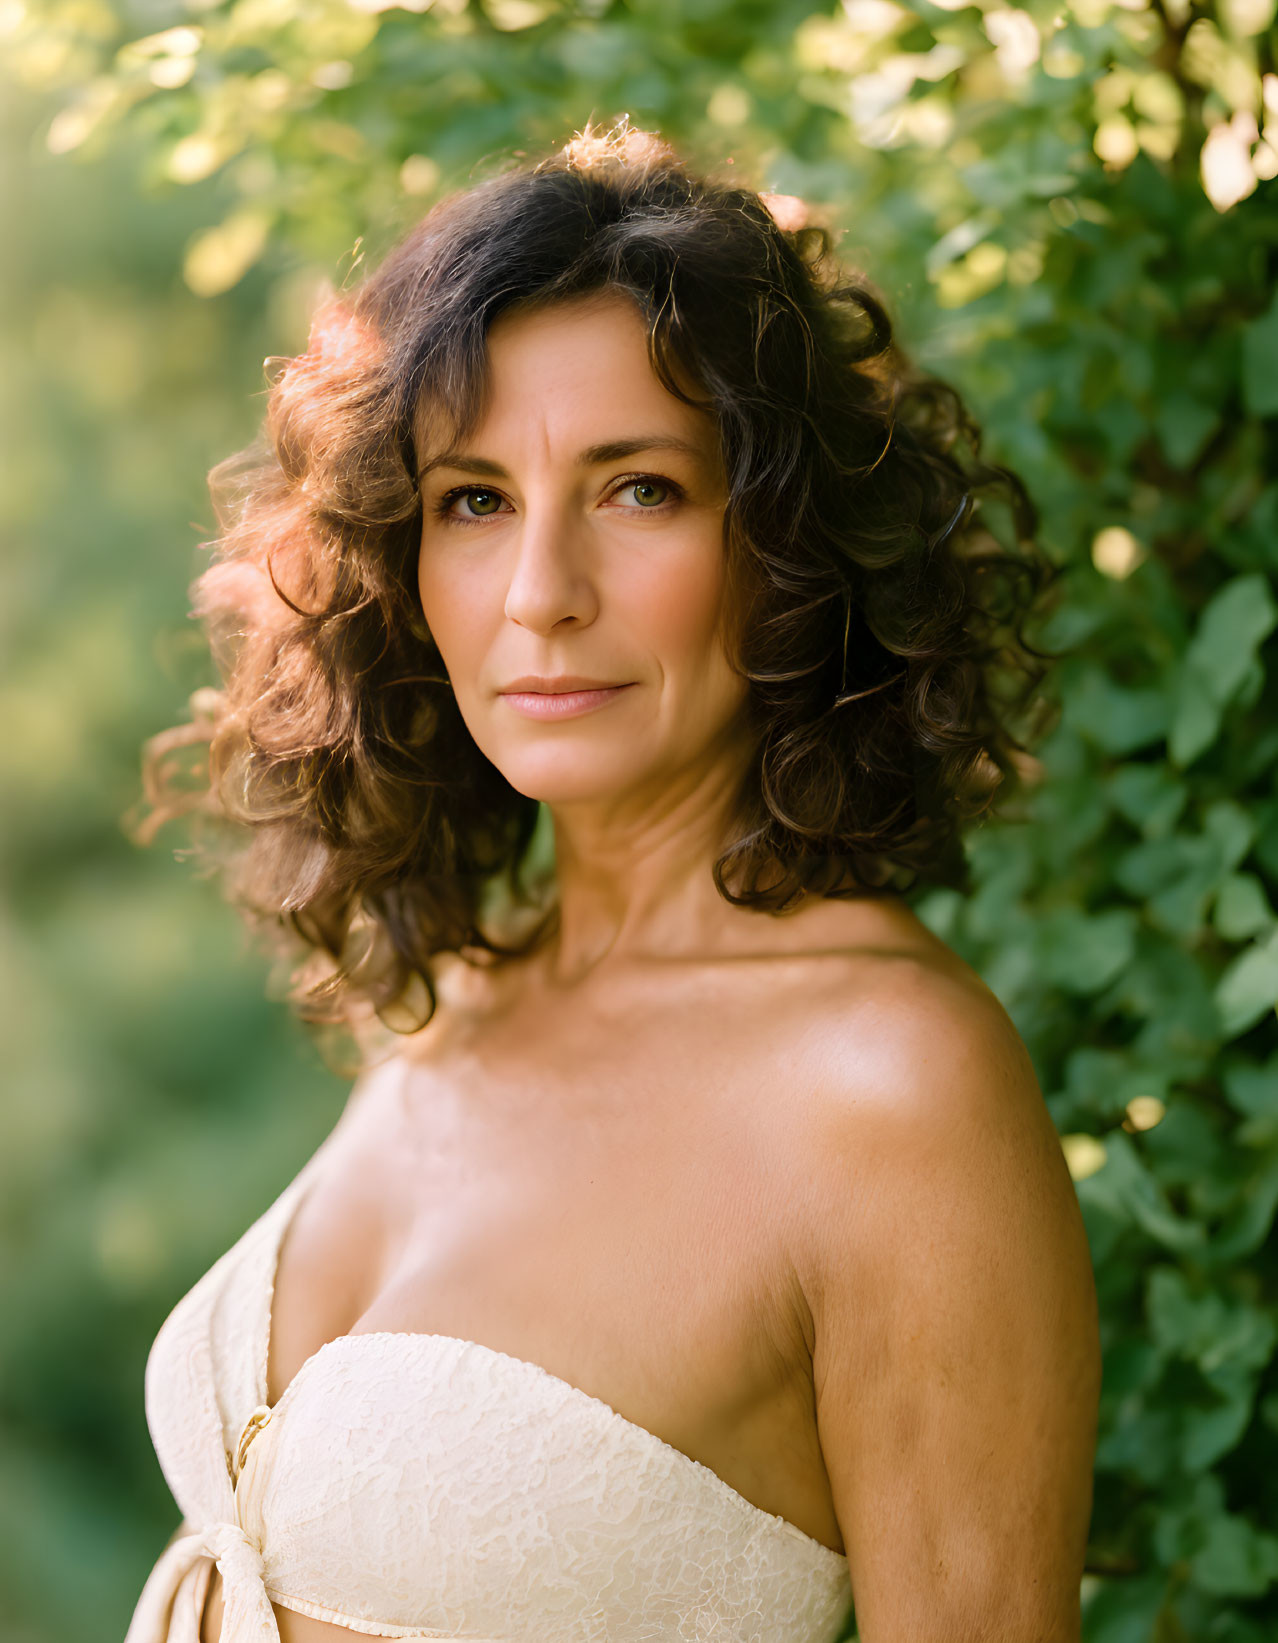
x=579, y=536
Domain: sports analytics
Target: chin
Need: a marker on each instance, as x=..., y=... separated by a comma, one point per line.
x=577, y=778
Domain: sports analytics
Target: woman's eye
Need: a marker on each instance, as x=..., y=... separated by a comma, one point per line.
x=649, y=493
x=480, y=504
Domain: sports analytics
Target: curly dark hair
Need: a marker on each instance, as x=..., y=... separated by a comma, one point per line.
x=880, y=619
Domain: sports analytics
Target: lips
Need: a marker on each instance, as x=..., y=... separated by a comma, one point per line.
x=561, y=704
x=562, y=684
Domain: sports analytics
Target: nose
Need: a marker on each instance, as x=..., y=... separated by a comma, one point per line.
x=550, y=577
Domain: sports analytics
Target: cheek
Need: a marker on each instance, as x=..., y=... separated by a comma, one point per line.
x=682, y=605
x=453, y=610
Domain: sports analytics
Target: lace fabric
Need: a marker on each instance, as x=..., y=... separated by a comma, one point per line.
x=424, y=1486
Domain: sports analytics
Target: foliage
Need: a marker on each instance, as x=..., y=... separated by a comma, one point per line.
x=1070, y=209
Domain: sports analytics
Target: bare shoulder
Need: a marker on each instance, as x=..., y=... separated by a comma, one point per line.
x=956, y=1356
x=921, y=1116
x=896, y=1030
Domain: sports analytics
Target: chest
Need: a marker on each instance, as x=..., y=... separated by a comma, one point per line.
x=616, y=1212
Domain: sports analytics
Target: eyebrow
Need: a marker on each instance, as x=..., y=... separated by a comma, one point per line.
x=612, y=450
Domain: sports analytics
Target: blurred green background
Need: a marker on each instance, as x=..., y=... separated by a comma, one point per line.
x=1071, y=211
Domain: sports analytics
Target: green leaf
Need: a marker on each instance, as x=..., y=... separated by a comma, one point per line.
x=1242, y=908
x=1180, y=1522
x=1248, y=1225
x=1183, y=424
x=1083, y=953
x=1211, y=1433
x=1195, y=718
x=1117, y=719
x=1125, y=1611
x=1260, y=363
x=1235, y=1560
x=1126, y=1189
x=1204, y=1326
x=1232, y=625
x=1220, y=656
x=1177, y=1318
x=1179, y=875
x=1249, y=987
x=1252, y=1089
x=1149, y=796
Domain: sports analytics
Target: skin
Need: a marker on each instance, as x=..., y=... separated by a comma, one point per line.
x=781, y=1190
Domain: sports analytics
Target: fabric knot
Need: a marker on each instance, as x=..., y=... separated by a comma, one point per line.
x=247, y=1615
x=238, y=1556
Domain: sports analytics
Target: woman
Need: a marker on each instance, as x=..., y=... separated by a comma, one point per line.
x=695, y=1253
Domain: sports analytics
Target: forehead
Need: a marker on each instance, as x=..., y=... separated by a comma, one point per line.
x=606, y=318
x=580, y=368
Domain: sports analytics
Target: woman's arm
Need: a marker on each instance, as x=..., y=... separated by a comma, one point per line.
x=956, y=1358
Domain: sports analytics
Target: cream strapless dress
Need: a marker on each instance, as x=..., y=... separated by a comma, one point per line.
x=423, y=1486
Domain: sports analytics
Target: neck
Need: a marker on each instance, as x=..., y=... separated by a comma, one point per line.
x=634, y=879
